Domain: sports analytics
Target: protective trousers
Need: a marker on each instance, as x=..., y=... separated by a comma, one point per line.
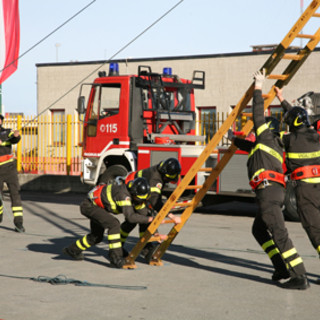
x=100, y=220
x=270, y=232
x=308, y=205
x=9, y=175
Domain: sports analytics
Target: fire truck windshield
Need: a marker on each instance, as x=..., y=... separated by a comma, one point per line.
x=106, y=101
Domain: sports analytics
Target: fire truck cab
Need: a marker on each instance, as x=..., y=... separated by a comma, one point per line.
x=132, y=122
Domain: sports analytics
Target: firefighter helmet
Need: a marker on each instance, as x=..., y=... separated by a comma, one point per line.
x=170, y=169
x=296, y=118
x=139, y=189
x=273, y=124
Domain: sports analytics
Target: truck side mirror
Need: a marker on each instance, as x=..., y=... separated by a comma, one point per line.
x=81, y=105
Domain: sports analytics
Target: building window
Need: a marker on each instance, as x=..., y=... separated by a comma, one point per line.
x=58, y=127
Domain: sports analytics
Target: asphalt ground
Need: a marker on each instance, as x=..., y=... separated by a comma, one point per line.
x=213, y=270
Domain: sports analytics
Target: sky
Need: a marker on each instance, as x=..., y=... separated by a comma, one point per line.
x=194, y=27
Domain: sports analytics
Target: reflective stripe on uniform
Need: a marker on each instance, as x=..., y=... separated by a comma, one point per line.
x=273, y=252
x=114, y=236
x=83, y=243
x=289, y=253
x=303, y=155
x=268, y=150
x=267, y=244
x=311, y=180
x=17, y=211
x=109, y=197
x=115, y=245
x=262, y=128
x=155, y=189
x=295, y=262
x=140, y=206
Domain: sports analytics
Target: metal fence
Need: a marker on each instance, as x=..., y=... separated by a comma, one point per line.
x=49, y=144
x=52, y=144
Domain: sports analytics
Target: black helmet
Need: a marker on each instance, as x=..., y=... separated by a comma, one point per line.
x=273, y=124
x=296, y=118
x=139, y=189
x=170, y=169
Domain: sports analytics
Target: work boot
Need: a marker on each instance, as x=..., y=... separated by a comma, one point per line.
x=318, y=281
x=116, y=259
x=148, y=251
x=73, y=253
x=18, y=222
x=300, y=283
x=279, y=275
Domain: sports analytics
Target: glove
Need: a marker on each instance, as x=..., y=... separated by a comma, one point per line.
x=259, y=77
x=230, y=135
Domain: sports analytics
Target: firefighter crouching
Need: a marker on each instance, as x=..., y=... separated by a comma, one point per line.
x=157, y=176
x=302, y=148
x=9, y=174
x=102, y=204
x=267, y=180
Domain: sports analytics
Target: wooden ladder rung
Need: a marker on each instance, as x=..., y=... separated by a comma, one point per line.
x=293, y=56
x=278, y=76
x=316, y=15
x=158, y=238
x=305, y=36
x=182, y=204
x=167, y=221
x=246, y=114
x=194, y=187
x=205, y=169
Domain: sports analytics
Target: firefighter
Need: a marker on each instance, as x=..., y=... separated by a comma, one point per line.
x=102, y=203
x=302, y=148
x=9, y=174
x=165, y=172
x=268, y=182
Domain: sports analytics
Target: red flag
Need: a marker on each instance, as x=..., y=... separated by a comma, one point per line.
x=9, y=37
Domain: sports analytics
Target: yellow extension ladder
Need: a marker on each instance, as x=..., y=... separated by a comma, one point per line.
x=278, y=55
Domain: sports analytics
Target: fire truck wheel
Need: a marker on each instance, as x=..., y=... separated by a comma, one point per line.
x=112, y=172
x=290, y=211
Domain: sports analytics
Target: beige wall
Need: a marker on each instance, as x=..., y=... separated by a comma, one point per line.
x=227, y=78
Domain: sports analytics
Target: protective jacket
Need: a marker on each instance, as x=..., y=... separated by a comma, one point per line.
x=7, y=140
x=265, y=154
x=117, y=199
x=302, y=148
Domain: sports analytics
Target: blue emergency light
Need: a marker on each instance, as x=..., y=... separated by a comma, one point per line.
x=113, y=69
x=167, y=71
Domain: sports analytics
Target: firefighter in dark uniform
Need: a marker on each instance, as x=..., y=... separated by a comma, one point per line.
x=102, y=204
x=9, y=174
x=302, y=148
x=157, y=176
x=268, y=181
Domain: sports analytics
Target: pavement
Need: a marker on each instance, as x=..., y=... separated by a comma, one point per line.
x=213, y=270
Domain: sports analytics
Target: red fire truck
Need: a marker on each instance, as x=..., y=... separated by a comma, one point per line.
x=132, y=122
